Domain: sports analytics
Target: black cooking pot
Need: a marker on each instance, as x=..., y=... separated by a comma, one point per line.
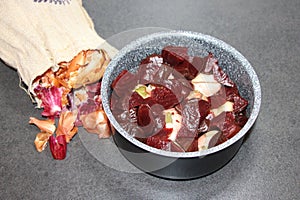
x=182, y=165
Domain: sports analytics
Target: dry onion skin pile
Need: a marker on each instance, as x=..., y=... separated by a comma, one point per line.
x=60, y=60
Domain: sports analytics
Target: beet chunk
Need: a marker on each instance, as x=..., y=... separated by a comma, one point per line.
x=145, y=119
x=239, y=103
x=160, y=140
x=241, y=119
x=226, y=123
x=221, y=76
x=135, y=100
x=204, y=109
x=199, y=63
x=187, y=69
x=148, y=68
x=164, y=97
x=190, y=118
x=231, y=92
x=218, y=99
x=120, y=103
x=143, y=115
x=166, y=76
x=191, y=67
x=230, y=130
x=175, y=55
x=127, y=120
x=188, y=144
x=180, y=87
x=124, y=83
x=115, y=81
x=183, y=63
x=158, y=117
x=155, y=59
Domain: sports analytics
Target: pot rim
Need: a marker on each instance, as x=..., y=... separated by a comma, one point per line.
x=210, y=39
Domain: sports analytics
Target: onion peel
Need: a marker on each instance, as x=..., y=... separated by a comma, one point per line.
x=46, y=126
x=66, y=124
x=96, y=122
x=41, y=140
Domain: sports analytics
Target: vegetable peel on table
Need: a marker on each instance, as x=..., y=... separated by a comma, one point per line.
x=41, y=141
x=60, y=69
x=97, y=122
x=83, y=106
x=51, y=100
x=44, y=125
x=66, y=124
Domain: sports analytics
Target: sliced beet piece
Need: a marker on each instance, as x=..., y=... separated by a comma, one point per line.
x=218, y=99
x=230, y=130
x=241, y=119
x=155, y=59
x=239, y=103
x=148, y=69
x=188, y=144
x=126, y=116
x=165, y=72
x=174, y=81
x=180, y=87
x=231, y=92
x=221, y=119
x=226, y=123
x=191, y=66
x=124, y=83
x=210, y=63
x=204, y=126
x=135, y=100
x=176, y=148
x=187, y=69
x=199, y=63
x=120, y=103
x=193, y=146
x=182, y=69
x=143, y=115
x=174, y=55
x=184, y=132
x=115, y=81
x=158, y=117
x=145, y=119
x=134, y=130
x=190, y=118
x=128, y=121
x=164, y=97
x=221, y=76
x=204, y=109
x=160, y=140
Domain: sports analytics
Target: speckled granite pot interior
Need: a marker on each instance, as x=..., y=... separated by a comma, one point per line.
x=174, y=165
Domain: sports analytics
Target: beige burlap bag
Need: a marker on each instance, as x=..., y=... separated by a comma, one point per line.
x=56, y=51
x=37, y=35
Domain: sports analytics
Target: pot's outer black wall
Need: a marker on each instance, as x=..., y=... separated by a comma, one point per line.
x=175, y=169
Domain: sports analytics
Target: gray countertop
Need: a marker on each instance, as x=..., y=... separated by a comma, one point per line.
x=267, y=166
